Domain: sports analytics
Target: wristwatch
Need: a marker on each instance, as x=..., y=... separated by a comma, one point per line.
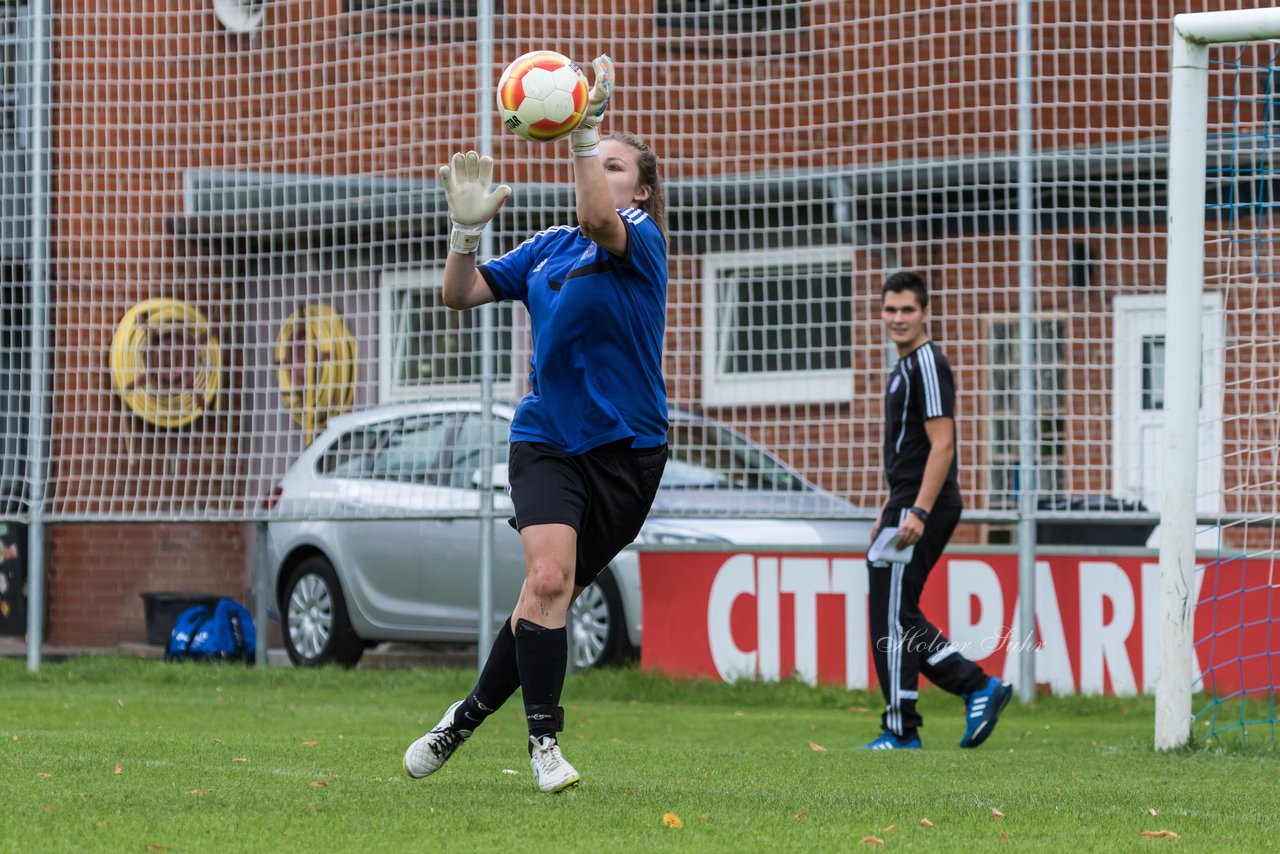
x=920, y=513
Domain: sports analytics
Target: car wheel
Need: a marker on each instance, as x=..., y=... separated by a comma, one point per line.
x=599, y=626
x=316, y=627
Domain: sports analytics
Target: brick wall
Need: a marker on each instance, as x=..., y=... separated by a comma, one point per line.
x=97, y=571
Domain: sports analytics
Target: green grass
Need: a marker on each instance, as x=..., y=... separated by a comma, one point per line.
x=111, y=754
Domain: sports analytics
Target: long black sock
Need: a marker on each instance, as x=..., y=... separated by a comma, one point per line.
x=543, y=656
x=498, y=681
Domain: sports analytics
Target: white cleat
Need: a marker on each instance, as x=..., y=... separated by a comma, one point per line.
x=426, y=755
x=550, y=770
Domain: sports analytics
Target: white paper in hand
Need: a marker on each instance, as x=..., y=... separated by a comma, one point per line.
x=887, y=548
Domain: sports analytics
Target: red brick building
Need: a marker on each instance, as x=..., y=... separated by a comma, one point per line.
x=809, y=147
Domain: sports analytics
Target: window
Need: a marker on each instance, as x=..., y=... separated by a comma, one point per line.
x=431, y=350
x=1050, y=409
x=742, y=16
x=464, y=468
x=15, y=386
x=745, y=27
x=14, y=82
x=1152, y=372
x=707, y=456
x=423, y=8
x=440, y=22
x=777, y=326
x=350, y=455
x=412, y=453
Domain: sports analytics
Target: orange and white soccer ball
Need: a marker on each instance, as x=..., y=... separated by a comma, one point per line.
x=542, y=96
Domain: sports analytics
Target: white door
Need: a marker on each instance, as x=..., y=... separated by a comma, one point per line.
x=1138, y=404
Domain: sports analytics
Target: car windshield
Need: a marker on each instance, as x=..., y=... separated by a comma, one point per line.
x=707, y=456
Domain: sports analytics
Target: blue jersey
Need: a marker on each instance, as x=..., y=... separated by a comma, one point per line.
x=598, y=322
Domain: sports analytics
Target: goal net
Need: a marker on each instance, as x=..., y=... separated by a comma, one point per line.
x=1218, y=555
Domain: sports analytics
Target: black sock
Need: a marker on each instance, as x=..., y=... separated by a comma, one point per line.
x=498, y=680
x=543, y=656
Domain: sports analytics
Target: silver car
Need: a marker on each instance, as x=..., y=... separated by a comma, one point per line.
x=384, y=572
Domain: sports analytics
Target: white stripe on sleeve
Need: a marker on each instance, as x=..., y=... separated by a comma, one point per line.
x=929, y=376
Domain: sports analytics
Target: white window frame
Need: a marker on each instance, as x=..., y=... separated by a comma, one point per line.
x=396, y=281
x=720, y=388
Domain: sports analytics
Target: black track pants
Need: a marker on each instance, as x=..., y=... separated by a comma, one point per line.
x=904, y=643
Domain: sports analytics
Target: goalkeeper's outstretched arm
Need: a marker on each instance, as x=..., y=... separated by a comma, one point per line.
x=466, y=179
x=596, y=205
x=463, y=285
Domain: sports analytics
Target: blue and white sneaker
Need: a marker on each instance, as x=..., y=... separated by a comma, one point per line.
x=888, y=741
x=982, y=709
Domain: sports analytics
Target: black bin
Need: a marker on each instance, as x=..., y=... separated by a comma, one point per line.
x=162, y=610
x=13, y=578
x=1086, y=533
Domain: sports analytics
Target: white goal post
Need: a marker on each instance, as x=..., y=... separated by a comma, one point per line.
x=1193, y=34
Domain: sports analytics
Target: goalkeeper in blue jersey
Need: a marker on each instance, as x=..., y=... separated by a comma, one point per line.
x=588, y=442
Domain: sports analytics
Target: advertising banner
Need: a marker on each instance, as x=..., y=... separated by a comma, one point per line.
x=770, y=615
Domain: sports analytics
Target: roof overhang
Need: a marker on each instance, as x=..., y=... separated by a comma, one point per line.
x=863, y=205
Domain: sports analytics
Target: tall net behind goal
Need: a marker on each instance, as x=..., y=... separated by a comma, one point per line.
x=245, y=232
x=221, y=230
x=1237, y=639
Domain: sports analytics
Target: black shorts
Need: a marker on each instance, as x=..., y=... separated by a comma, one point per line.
x=604, y=495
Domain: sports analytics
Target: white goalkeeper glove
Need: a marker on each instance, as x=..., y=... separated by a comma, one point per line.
x=585, y=138
x=466, y=179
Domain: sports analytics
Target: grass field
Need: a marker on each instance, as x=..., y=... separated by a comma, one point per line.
x=113, y=754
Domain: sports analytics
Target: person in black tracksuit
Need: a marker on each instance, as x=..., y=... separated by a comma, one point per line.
x=924, y=504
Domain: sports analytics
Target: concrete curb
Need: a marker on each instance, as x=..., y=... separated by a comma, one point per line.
x=384, y=656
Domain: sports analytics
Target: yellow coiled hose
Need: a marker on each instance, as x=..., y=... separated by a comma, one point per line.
x=166, y=364
x=316, y=358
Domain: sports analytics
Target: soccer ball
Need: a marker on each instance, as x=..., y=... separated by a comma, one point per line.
x=542, y=96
